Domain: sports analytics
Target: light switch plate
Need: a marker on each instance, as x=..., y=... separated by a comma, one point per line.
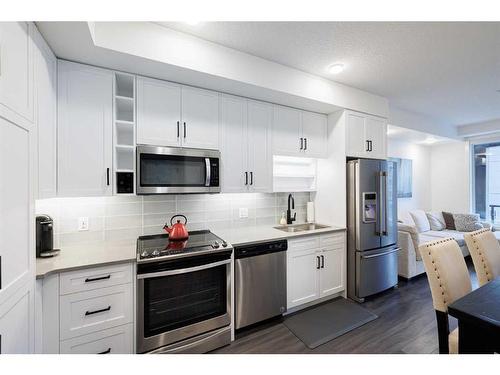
x=243, y=212
x=83, y=223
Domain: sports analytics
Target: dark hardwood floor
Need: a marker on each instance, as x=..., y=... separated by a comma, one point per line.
x=406, y=324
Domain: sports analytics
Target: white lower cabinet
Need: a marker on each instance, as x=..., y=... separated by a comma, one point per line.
x=15, y=324
x=315, y=268
x=117, y=340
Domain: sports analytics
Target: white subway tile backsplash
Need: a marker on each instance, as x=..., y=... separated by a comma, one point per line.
x=127, y=217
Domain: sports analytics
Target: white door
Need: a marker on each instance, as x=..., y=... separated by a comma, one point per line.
x=314, y=131
x=287, y=131
x=45, y=117
x=331, y=277
x=260, y=158
x=84, y=130
x=16, y=323
x=302, y=277
x=355, y=132
x=200, y=118
x=16, y=71
x=234, y=147
x=158, y=112
x=376, y=134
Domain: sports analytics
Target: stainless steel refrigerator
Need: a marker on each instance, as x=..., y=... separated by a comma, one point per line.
x=372, y=261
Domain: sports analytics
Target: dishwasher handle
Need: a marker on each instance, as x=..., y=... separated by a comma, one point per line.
x=257, y=249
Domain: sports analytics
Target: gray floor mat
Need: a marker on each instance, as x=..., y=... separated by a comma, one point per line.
x=323, y=323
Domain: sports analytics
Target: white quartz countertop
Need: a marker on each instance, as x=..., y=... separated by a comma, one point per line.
x=88, y=255
x=254, y=234
x=109, y=252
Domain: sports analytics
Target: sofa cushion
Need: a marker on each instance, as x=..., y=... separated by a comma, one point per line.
x=448, y=220
x=436, y=220
x=467, y=222
x=421, y=221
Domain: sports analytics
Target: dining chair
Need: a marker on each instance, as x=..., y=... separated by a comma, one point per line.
x=485, y=252
x=449, y=280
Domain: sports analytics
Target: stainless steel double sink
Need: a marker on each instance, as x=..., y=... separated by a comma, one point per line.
x=300, y=227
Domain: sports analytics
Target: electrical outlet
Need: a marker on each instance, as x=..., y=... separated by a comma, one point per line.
x=83, y=223
x=243, y=212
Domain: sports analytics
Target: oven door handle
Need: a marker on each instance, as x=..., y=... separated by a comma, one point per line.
x=207, y=166
x=183, y=270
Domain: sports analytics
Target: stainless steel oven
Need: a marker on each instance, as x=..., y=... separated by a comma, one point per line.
x=174, y=170
x=184, y=304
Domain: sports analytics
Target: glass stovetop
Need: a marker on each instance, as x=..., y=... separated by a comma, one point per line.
x=158, y=245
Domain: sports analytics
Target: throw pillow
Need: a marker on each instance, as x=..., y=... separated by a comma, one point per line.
x=448, y=220
x=436, y=220
x=421, y=221
x=467, y=222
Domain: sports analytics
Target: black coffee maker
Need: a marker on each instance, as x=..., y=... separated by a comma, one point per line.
x=45, y=237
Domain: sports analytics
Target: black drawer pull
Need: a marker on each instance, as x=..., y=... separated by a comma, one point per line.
x=97, y=311
x=106, y=351
x=88, y=280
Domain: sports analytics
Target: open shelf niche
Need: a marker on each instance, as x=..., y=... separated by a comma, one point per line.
x=124, y=126
x=294, y=174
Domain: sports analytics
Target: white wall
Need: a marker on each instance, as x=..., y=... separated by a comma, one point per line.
x=421, y=175
x=450, y=181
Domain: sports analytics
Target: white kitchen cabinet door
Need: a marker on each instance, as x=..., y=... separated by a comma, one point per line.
x=45, y=117
x=376, y=133
x=260, y=158
x=200, y=118
x=357, y=144
x=16, y=247
x=16, y=324
x=158, y=112
x=331, y=277
x=302, y=276
x=84, y=130
x=16, y=71
x=234, y=151
x=287, y=131
x=314, y=132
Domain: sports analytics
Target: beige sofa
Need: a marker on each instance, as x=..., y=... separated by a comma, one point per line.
x=411, y=235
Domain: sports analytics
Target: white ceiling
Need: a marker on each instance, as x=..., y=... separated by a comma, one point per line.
x=413, y=136
x=449, y=71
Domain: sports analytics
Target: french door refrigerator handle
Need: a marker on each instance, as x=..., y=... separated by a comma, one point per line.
x=384, y=232
x=381, y=254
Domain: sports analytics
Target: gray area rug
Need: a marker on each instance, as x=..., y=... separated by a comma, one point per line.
x=318, y=325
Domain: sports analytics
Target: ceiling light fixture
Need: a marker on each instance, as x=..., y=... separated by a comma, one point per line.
x=430, y=140
x=336, y=68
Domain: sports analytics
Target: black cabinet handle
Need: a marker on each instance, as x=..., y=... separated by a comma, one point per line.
x=301, y=143
x=246, y=178
x=106, y=351
x=251, y=178
x=107, y=176
x=97, y=311
x=184, y=129
x=367, y=145
x=317, y=263
x=322, y=261
x=305, y=144
x=88, y=280
x=370, y=146
x=178, y=130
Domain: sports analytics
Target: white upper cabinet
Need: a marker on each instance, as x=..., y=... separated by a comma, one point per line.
x=46, y=116
x=85, y=143
x=299, y=133
x=16, y=71
x=200, y=118
x=314, y=132
x=169, y=114
x=246, y=145
x=287, y=131
x=260, y=158
x=234, y=139
x=366, y=136
x=158, y=112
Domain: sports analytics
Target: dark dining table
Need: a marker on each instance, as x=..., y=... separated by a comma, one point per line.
x=478, y=315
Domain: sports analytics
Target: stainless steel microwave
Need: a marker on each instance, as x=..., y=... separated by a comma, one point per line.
x=174, y=170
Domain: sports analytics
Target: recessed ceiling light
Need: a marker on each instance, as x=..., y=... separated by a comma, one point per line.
x=430, y=140
x=336, y=68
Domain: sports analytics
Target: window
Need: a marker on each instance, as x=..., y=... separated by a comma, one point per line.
x=486, y=180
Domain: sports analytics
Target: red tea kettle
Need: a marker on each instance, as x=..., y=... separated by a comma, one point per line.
x=177, y=231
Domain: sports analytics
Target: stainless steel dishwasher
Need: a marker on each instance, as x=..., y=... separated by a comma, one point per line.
x=260, y=279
